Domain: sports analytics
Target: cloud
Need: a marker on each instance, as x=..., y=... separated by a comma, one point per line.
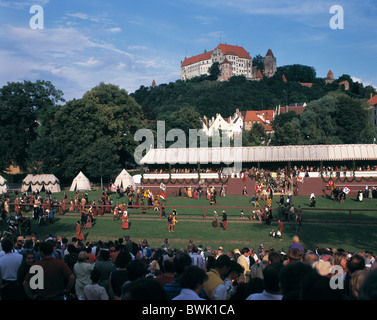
x=364, y=82
x=74, y=62
x=22, y=5
x=137, y=48
x=262, y=7
x=115, y=30
x=91, y=62
x=85, y=16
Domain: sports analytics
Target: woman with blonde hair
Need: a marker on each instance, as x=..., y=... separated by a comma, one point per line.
x=82, y=270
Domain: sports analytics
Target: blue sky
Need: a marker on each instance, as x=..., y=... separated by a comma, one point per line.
x=129, y=43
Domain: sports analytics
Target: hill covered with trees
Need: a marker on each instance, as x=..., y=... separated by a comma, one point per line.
x=41, y=132
x=209, y=97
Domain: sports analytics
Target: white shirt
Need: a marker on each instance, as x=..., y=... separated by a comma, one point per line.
x=82, y=272
x=197, y=260
x=230, y=288
x=264, y=296
x=220, y=293
x=187, y=294
x=94, y=292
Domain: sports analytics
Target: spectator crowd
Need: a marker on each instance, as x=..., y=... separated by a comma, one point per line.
x=125, y=270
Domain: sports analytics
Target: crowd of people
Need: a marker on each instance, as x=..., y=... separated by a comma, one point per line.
x=124, y=270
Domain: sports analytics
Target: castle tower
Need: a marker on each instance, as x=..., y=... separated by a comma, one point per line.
x=270, y=67
x=226, y=70
x=259, y=75
x=330, y=77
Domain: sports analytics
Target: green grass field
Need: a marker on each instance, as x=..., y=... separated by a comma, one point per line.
x=325, y=228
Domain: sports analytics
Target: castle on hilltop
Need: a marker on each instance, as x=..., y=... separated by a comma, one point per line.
x=233, y=60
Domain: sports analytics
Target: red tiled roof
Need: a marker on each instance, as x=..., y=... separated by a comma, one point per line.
x=284, y=78
x=225, y=61
x=197, y=58
x=373, y=101
x=228, y=49
x=251, y=116
x=297, y=109
x=330, y=73
x=304, y=84
x=259, y=74
x=268, y=114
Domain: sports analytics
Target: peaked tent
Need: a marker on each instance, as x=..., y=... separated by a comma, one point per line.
x=39, y=181
x=124, y=179
x=80, y=183
x=137, y=178
x=3, y=185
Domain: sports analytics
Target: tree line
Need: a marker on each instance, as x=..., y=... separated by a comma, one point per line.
x=42, y=133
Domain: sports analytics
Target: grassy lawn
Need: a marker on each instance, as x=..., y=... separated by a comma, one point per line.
x=325, y=228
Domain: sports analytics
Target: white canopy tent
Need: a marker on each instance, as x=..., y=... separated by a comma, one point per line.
x=230, y=155
x=39, y=181
x=3, y=185
x=80, y=183
x=124, y=179
x=137, y=178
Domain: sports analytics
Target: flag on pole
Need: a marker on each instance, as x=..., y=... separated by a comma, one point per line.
x=163, y=196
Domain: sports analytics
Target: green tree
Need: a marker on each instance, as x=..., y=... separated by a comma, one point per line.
x=24, y=107
x=103, y=160
x=353, y=120
x=258, y=61
x=104, y=113
x=256, y=136
x=185, y=118
x=288, y=134
x=318, y=122
x=283, y=118
x=214, y=71
x=297, y=73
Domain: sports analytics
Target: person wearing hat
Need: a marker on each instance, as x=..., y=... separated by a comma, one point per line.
x=82, y=270
x=125, y=224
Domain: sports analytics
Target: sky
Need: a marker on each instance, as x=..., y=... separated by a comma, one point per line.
x=78, y=44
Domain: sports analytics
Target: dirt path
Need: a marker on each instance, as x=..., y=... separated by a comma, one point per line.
x=139, y=217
